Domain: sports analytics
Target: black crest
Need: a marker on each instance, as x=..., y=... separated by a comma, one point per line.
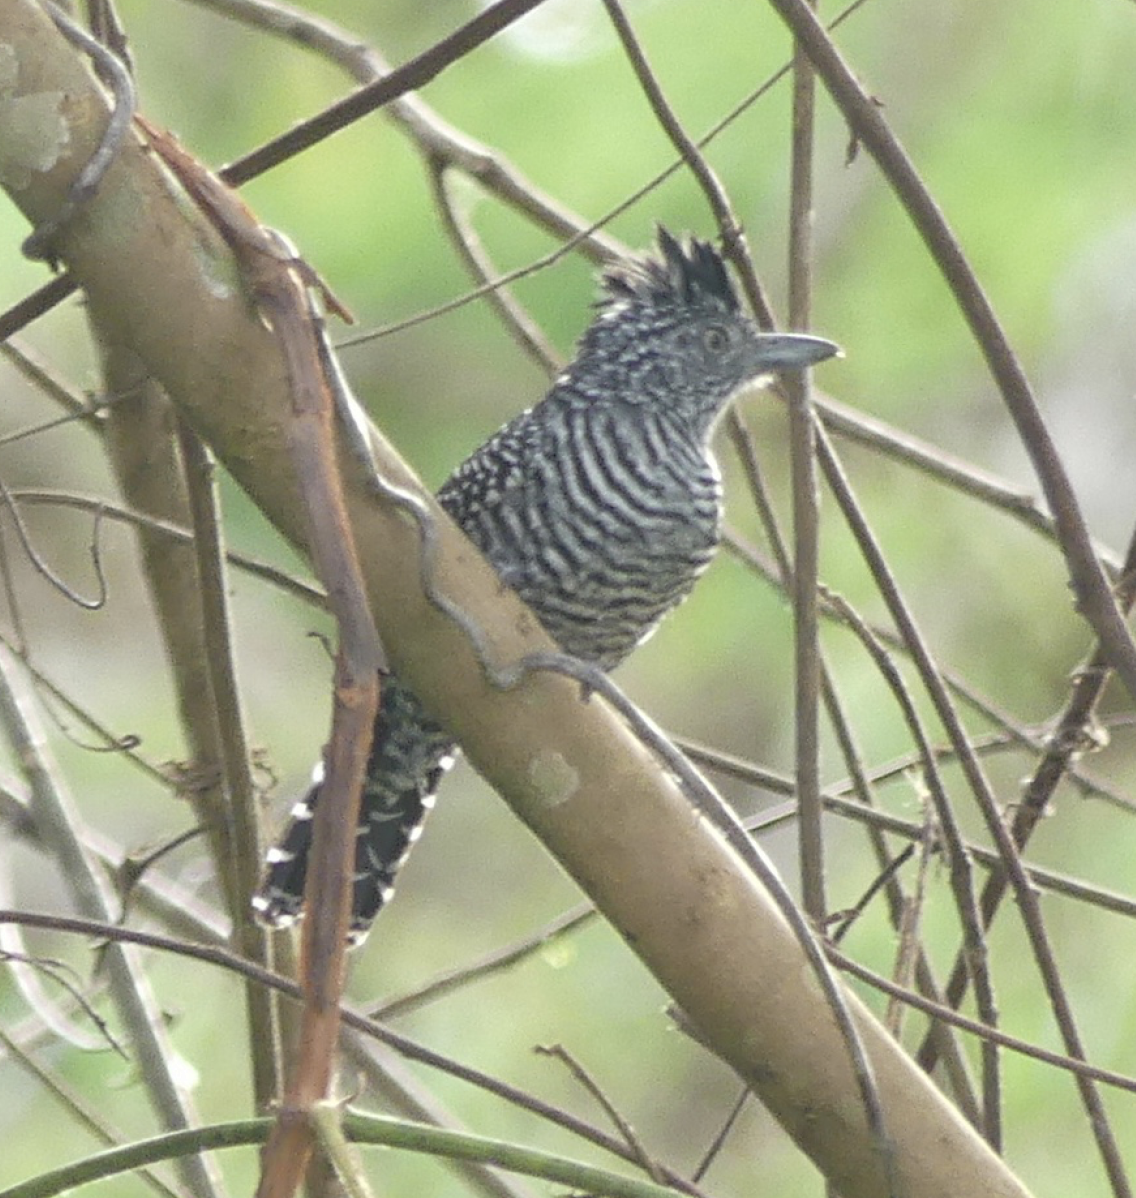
x=691, y=274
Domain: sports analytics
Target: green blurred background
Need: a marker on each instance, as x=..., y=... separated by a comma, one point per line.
x=1022, y=120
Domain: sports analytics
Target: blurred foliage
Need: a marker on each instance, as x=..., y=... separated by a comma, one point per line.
x=1022, y=120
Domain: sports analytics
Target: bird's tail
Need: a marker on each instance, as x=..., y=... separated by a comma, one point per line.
x=409, y=755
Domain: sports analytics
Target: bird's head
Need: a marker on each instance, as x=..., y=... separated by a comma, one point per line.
x=671, y=335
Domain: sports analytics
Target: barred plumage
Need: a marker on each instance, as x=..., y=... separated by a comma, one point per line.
x=600, y=507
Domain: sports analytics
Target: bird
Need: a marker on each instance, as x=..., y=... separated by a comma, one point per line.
x=600, y=507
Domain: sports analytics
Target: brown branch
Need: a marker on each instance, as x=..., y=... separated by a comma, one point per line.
x=806, y=504
x=283, y=298
x=406, y=78
x=279, y=284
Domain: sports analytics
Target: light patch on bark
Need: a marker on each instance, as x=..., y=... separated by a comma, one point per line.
x=36, y=132
x=553, y=780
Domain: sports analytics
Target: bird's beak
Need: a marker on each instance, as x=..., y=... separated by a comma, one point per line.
x=794, y=351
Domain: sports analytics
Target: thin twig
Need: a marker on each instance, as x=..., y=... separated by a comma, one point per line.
x=126, y=744
x=844, y=920
x=649, y=1165
x=80, y=1110
x=28, y=969
x=41, y=301
x=406, y=78
x=782, y=576
x=404, y=1091
x=217, y=955
x=733, y=237
x=907, y=950
x=946, y=469
x=981, y=789
x=435, y=138
x=60, y=826
x=870, y=126
x=1016, y=735
x=43, y=377
x=142, y=447
x=958, y=861
x=489, y=965
x=1072, y=734
x=160, y=897
x=45, y=571
x=520, y=325
x=1039, y=876
x=241, y=866
x=289, y=584
x=719, y=1141
x=1079, y=1068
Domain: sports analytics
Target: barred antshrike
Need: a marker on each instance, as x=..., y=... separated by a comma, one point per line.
x=600, y=507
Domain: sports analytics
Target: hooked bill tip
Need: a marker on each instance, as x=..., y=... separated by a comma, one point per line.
x=795, y=351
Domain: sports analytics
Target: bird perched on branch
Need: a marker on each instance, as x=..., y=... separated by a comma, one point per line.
x=600, y=507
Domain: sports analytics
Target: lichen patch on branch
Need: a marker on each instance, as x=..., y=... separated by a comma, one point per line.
x=37, y=133
x=554, y=780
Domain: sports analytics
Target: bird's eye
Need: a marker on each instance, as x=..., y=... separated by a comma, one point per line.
x=715, y=338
